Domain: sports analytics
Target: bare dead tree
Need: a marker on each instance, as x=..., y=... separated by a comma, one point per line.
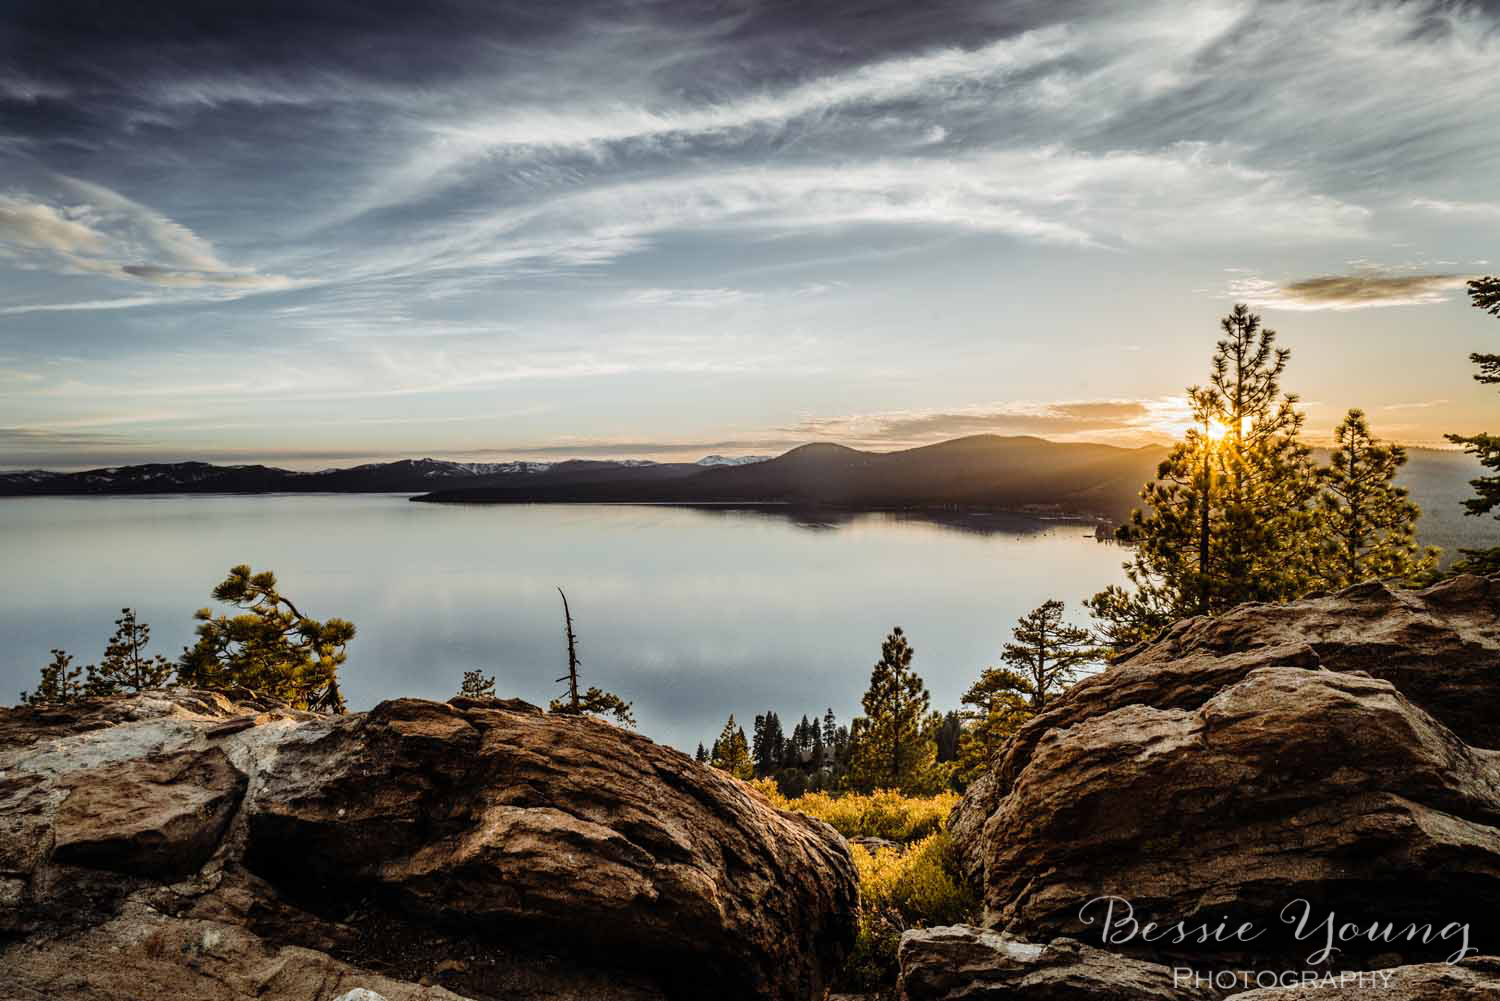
x=572, y=676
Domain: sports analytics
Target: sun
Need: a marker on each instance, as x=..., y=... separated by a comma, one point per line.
x=1217, y=430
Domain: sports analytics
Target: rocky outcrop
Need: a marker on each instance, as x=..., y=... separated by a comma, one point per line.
x=1335, y=750
x=218, y=849
x=1439, y=647
x=961, y=963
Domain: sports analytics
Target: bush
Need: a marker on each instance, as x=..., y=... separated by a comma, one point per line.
x=901, y=888
x=881, y=814
x=907, y=885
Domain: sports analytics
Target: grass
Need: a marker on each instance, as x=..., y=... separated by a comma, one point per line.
x=903, y=885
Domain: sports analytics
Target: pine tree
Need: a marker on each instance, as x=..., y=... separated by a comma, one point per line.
x=1368, y=523
x=888, y=749
x=272, y=648
x=1044, y=658
x=595, y=701
x=996, y=708
x=1485, y=295
x=1046, y=654
x=58, y=683
x=1230, y=515
x=125, y=666
x=950, y=730
x=731, y=751
x=477, y=685
x=702, y=756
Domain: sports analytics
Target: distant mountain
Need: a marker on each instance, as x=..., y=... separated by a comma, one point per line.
x=986, y=472
x=981, y=472
x=404, y=476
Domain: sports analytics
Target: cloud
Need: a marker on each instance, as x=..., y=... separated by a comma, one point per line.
x=1068, y=420
x=690, y=298
x=1473, y=210
x=1423, y=405
x=1365, y=290
x=89, y=229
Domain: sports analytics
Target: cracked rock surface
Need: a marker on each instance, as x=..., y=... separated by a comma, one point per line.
x=193, y=845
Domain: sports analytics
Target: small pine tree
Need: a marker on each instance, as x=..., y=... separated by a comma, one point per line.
x=732, y=752
x=125, y=666
x=1485, y=295
x=595, y=701
x=1368, y=523
x=888, y=746
x=477, y=685
x=1046, y=655
x=272, y=648
x=59, y=683
x=702, y=756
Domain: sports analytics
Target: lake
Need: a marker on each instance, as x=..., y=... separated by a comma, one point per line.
x=692, y=614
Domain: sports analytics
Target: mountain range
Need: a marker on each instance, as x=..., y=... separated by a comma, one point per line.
x=987, y=472
x=983, y=472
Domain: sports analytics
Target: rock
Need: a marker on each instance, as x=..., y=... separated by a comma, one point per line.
x=1290, y=784
x=961, y=963
x=1472, y=980
x=360, y=994
x=1332, y=750
x=1440, y=647
x=220, y=849
x=160, y=816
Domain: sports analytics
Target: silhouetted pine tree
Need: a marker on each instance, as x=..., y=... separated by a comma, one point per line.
x=1230, y=515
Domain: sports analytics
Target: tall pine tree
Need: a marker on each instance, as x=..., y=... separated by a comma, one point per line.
x=888, y=749
x=1368, y=523
x=1485, y=294
x=1230, y=515
x=1045, y=656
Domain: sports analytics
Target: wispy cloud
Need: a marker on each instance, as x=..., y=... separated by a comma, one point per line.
x=1095, y=420
x=90, y=229
x=1365, y=290
x=1472, y=210
x=690, y=298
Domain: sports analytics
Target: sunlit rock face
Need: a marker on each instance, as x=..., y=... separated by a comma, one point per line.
x=1253, y=783
x=214, y=847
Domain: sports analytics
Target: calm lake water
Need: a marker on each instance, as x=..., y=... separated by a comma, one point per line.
x=691, y=614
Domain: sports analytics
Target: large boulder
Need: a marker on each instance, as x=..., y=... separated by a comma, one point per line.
x=1336, y=750
x=1292, y=784
x=1440, y=647
x=218, y=848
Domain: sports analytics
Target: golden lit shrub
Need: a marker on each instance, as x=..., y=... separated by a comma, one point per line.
x=882, y=814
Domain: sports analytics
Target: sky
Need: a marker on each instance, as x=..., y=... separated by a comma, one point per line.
x=316, y=233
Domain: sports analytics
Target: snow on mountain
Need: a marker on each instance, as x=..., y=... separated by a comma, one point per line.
x=725, y=460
